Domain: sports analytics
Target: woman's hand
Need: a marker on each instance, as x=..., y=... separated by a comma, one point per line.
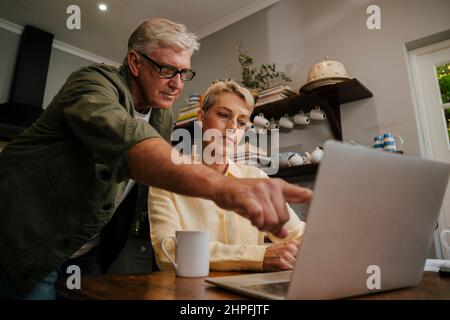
x=281, y=256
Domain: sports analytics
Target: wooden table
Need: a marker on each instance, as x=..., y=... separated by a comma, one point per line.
x=164, y=285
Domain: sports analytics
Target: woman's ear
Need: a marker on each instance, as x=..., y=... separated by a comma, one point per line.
x=200, y=115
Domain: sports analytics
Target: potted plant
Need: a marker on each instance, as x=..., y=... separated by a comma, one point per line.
x=260, y=78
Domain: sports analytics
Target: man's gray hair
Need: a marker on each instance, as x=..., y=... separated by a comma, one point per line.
x=162, y=33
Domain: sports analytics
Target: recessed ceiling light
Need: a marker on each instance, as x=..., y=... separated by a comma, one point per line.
x=103, y=7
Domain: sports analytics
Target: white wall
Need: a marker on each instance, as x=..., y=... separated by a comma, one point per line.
x=62, y=64
x=298, y=33
x=64, y=60
x=295, y=34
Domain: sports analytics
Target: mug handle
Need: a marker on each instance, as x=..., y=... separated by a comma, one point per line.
x=400, y=140
x=444, y=241
x=163, y=247
x=307, y=158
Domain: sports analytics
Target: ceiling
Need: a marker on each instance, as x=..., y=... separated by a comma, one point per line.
x=106, y=33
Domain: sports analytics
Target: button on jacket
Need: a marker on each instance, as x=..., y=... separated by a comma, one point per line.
x=61, y=180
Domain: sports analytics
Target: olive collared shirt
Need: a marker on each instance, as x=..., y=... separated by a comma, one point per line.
x=61, y=180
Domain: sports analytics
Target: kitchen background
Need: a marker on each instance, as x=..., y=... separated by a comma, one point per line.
x=294, y=34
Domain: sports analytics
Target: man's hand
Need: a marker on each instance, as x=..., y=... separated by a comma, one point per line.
x=262, y=201
x=281, y=256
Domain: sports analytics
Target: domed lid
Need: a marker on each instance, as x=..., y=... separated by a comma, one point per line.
x=324, y=73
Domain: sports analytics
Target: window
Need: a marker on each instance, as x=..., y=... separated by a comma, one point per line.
x=443, y=74
x=447, y=120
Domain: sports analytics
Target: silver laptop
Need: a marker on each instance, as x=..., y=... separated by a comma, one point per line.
x=369, y=228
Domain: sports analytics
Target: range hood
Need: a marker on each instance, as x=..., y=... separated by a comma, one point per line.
x=28, y=84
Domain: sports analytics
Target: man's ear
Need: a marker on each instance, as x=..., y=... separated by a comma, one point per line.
x=133, y=62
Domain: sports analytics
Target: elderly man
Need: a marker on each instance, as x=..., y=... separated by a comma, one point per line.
x=70, y=185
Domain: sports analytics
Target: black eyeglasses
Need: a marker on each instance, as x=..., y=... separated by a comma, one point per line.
x=169, y=72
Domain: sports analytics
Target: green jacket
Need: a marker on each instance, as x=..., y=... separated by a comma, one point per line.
x=61, y=180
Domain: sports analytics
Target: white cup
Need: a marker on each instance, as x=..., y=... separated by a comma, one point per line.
x=285, y=122
x=444, y=241
x=191, y=253
x=317, y=114
x=316, y=155
x=260, y=121
x=307, y=158
x=273, y=125
x=296, y=160
x=301, y=118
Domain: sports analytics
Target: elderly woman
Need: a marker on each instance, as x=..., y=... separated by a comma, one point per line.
x=235, y=243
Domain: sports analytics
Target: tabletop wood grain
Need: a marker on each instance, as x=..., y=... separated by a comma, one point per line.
x=164, y=285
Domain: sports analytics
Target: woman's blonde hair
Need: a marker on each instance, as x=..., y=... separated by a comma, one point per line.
x=230, y=86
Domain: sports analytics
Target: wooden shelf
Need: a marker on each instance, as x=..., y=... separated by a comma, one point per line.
x=329, y=98
x=306, y=172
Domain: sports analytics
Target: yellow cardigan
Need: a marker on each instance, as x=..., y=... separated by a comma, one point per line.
x=235, y=243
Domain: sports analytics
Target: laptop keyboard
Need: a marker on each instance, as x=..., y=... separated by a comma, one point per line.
x=274, y=288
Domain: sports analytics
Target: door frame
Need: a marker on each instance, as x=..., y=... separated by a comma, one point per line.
x=423, y=128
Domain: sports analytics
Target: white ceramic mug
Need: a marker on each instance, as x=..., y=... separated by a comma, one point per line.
x=284, y=158
x=301, y=118
x=285, y=122
x=260, y=121
x=273, y=125
x=250, y=126
x=191, y=253
x=316, y=155
x=296, y=160
x=317, y=114
x=307, y=158
x=444, y=241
